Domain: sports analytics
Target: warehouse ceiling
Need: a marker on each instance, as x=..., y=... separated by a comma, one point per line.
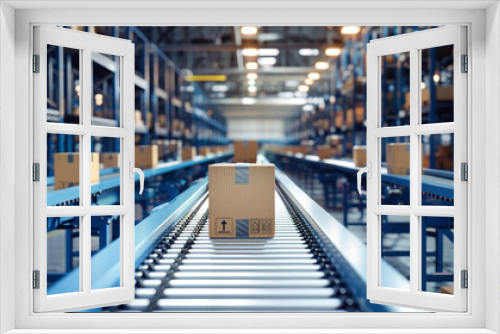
x=285, y=56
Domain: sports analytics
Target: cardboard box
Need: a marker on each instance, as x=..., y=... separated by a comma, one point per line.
x=174, y=146
x=359, y=114
x=398, y=158
x=245, y=151
x=204, y=151
x=349, y=117
x=162, y=121
x=149, y=119
x=444, y=157
x=67, y=169
x=359, y=155
x=444, y=93
x=339, y=118
x=241, y=203
x=188, y=153
x=110, y=160
x=146, y=156
x=447, y=290
x=138, y=118
x=325, y=152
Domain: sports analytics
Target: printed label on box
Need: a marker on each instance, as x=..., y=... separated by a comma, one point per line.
x=254, y=226
x=224, y=226
x=266, y=226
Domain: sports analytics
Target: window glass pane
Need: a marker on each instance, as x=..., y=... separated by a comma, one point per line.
x=437, y=250
x=438, y=172
x=63, y=85
x=395, y=89
x=395, y=251
x=105, y=89
x=63, y=251
x=105, y=170
x=106, y=245
x=63, y=168
x=437, y=85
x=395, y=171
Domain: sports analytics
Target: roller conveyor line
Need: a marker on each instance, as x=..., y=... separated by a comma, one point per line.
x=189, y=272
x=313, y=264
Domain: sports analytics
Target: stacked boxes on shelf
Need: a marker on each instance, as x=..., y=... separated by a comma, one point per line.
x=67, y=169
x=146, y=156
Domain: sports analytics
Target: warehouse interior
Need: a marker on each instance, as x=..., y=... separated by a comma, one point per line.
x=292, y=96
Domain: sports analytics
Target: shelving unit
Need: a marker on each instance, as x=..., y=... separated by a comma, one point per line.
x=344, y=111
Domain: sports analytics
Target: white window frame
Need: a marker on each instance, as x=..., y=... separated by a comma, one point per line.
x=86, y=43
x=413, y=43
x=482, y=316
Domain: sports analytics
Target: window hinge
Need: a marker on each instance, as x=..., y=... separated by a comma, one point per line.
x=36, y=63
x=464, y=170
x=465, y=64
x=465, y=279
x=36, y=172
x=36, y=279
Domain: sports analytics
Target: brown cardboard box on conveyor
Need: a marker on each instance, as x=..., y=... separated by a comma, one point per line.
x=241, y=203
x=245, y=151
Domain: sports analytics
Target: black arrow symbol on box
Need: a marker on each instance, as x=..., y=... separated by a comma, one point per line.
x=223, y=225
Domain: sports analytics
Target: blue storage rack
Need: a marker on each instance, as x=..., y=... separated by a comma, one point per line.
x=395, y=190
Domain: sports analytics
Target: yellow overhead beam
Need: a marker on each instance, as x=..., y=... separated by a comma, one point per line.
x=206, y=77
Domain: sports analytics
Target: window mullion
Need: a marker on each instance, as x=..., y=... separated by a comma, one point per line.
x=85, y=170
x=415, y=170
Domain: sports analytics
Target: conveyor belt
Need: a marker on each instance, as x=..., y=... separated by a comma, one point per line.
x=189, y=272
x=313, y=264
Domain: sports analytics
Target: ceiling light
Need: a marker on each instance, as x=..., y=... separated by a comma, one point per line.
x=99, y=99
x=266, y=61
x=252, y=66
x=308, y=81
x=422, y=85
x=220, y=88
x=251, y=82
x=308, y=52
x=248, y=100
x=252, y=76
x=268, y=52
x=350, y=30
x=332, y=52
x=436, y=77
x=252, y=89
x=314, y=76
x=249, y=30
x=250, y=52
x=303, y=88
x=321, y=65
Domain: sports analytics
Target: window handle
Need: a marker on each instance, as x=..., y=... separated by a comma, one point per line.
x=133, y=171
x=367, y=170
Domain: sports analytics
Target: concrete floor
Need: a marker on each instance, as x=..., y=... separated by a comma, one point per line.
x=391, y=241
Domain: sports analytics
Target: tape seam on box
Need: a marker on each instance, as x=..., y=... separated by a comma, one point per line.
x=241, y=173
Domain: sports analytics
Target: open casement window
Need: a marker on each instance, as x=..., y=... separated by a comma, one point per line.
x=406, y=140
x=101, y=70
